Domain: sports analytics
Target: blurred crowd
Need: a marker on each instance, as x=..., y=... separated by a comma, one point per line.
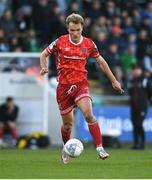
x=122, y=30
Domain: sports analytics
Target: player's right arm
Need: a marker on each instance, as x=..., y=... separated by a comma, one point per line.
x=43, y=62
x=52, y=48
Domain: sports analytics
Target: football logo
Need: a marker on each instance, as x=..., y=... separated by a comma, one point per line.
x=84, y=50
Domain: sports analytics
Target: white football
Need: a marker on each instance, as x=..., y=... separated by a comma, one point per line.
x=73, y=147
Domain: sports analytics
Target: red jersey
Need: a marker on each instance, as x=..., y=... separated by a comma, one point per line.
x=71, y=58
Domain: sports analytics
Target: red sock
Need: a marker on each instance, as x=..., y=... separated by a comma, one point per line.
x=65, y=134
x=1, y=132
x=96, y=134
x=14, y=133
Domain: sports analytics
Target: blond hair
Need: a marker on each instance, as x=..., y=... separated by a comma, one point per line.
x=75, y=18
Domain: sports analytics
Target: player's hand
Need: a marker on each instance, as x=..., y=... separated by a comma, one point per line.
x=117, y=86
x=44, y=70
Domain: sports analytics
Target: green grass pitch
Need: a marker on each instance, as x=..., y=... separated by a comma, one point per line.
x=42, y=164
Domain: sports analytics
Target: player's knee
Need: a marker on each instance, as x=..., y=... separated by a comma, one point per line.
x=89, y=117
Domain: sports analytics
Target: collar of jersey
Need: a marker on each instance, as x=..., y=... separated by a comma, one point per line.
x=81, y=39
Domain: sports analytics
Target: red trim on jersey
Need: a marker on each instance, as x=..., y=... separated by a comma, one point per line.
x=96, y=56
x=48, y=50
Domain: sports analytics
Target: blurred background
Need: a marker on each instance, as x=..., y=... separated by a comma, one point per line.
x=122, y=31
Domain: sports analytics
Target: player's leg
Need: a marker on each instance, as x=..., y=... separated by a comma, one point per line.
x=12, y=126
x=66, y=104
x=66, y=110
x=85, y=106
x=66, y=132
x=67, y=126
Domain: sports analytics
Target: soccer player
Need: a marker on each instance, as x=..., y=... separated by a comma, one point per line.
x=72, y=52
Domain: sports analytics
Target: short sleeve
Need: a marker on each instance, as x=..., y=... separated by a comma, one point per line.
x=95, y=52
x=52, y=48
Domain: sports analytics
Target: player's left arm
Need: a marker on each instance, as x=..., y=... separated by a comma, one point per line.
x=105, y=68
x=43, y=62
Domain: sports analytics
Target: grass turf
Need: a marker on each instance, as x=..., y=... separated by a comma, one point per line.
x=24, y=164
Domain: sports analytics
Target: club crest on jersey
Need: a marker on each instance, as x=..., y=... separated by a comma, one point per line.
x=84, y=50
